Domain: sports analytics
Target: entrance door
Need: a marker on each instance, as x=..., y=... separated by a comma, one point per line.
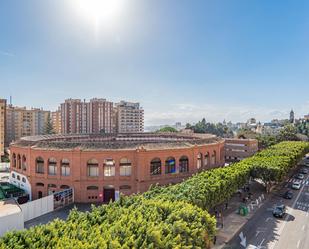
x=108, y=194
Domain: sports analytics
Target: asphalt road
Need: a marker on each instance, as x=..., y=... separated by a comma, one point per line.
x=264, y=231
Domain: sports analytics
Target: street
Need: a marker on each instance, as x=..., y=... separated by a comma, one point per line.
x=265, y=231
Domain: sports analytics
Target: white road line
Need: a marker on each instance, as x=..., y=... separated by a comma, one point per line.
x=298, y=244
x=261, y=243
x=286, y=218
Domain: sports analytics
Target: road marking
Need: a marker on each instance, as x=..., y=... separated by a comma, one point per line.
x=286, y=218
x=298, y=244
x=261, y=242
x=268, y=219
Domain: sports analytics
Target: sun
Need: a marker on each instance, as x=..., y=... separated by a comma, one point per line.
x=100, y=11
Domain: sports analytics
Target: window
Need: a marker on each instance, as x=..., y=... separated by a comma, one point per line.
x=125, y=187
x=199, y=160
x=170, y=165
x=18, y=177
x=24, y=163
x=155, y=166
x=64, y=186
x=206, y=162
x=213, y=158
x=39, y=184
x=125, y=167
x=109, y=167
x=24, y=180
x=39, y=165
x=14, y=160
x=92, y=188
x=52, y=166
x=40, y=194
x=13, y=175
x=65, y=167
x=93, y=168
x=18, y=162
x=183, y=164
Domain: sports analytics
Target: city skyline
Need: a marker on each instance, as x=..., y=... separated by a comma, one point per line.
x=181, y=61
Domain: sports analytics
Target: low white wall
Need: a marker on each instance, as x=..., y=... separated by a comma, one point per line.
x=11, y=222
x=38, y=207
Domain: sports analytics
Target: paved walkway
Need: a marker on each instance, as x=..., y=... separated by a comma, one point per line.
x=232, y=221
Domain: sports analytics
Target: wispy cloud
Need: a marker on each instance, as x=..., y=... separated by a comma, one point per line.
x=5, y=53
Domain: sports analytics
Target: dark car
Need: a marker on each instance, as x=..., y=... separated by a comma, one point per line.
x=304, y=171
x=288, y=195
x=279, y=211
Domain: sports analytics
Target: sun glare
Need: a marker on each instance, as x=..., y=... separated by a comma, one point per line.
x=100, y=12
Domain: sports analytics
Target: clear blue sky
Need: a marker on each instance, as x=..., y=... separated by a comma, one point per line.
x=182, y=59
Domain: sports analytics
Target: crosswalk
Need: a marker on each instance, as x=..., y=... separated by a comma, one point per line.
x=303, y=182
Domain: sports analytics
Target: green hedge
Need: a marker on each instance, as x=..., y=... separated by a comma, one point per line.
x=164, y=217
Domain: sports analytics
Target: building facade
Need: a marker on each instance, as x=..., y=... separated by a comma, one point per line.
x=21, y=122
x=81, y=117
x=2, y=126
x=56, y=121
x=129, y=117
x=100, y=167
x=238, y=149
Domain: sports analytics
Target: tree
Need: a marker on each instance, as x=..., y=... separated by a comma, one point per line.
x=288, y=133
x=49, y=129
x=167, y=129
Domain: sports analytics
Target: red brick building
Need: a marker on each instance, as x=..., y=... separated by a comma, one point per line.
x=99, y=167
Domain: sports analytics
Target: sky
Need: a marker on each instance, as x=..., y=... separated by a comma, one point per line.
x=181, y=59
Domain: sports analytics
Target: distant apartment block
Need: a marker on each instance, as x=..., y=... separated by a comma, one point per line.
x=2, y=126
x=21, y=122
x=238, y=149
x=129, y=117
x=81, y=117
x=56, y=121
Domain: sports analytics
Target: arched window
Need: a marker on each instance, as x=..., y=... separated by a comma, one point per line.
x=52, y=166
x=206, y=161
x=92, y=188
x=125, y=187
x=155, y=166
x=183, y=164
x=24, y=180
x=109, y=167
x=170, y=165
x=14, y=160
x=65, y=167
x=18, y=161
x=13, y=175
x=125, y=167
x=39, y=165
x=92, y=168
x=40, y=184
x=213, y=158
x=64, y=186
x=18, y=177
x=199, y=160
x=24, y=163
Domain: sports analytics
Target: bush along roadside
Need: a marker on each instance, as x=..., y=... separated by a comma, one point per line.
x=174, y=216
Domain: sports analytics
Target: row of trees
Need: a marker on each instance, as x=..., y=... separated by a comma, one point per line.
x=164, y=217
x=218, y=129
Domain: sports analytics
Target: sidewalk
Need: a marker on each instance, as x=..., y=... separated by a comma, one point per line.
x=232, y=221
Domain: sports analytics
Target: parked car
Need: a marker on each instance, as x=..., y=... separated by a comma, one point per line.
x=296, y=185
x=279, y=211
x=300, y=176
x=304, y=171
x=288, y=195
